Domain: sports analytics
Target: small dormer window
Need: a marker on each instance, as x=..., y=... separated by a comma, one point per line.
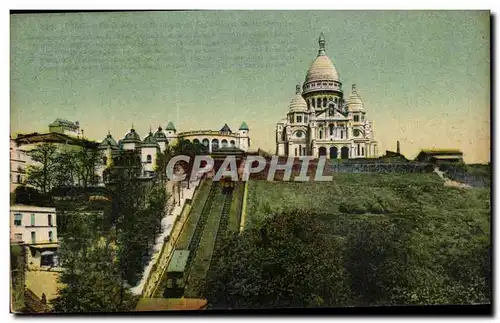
x=148, y=159
x=356, y=118
x=299, y=119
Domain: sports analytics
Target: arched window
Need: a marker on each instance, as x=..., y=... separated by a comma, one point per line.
x=321, y=133
x=318, y=102
x=362, y=151
x=313, y=103
x=358, y=149
x=148, y=159
x=295, y=151
x=324, y=102
x=341, y=134
x=331, y=129
x=300, y=150
x=196, y=141
x=205, y=142
x=233, y=144
x=224, y=143
x=215, y=144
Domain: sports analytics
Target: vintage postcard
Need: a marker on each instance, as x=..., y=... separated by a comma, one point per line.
x=249, y=160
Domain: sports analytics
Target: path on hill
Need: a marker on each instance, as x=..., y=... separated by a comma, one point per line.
x=449, y=182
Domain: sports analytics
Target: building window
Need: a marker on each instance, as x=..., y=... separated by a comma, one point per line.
x=362, y=151
x=299, y=118
x=18, y=179
x=313, y=103
x=356, y=118
x=18, y=219
x=305, y=119
x=303, y=151
x=331, y=130
x=33, y=237
x=362, y=118
x=341, y=134
x=148, y=159
x=300, y=150
x=324, y=102
x=295, y=152
x=50, y=220
x=18, y=237
x=32, y=220
x=50, y=236
x=299, y=134
x=358, y=149
x=320, y=133
x=233, y=144
x=318, y=104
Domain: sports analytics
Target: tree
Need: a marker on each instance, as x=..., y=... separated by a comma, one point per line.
x=190, y=149
x=291, y=261
x=42, y=175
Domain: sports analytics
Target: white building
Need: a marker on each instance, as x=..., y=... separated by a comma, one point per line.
x=36, y=228
x=156, y=142
x=320, y=122
x=17, y=165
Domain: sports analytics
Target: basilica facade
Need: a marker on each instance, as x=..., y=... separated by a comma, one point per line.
x=320, y=122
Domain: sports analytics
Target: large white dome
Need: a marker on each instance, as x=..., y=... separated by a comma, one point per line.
x=322, y=68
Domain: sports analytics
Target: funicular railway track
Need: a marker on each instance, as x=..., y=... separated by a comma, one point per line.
x=224, y=220
x=195, y=238
x=202, y=254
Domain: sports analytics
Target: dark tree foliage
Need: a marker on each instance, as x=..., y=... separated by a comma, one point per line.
x=300, y=259
x=292, y=261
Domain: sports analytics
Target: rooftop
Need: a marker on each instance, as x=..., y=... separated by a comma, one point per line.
x=179, y=261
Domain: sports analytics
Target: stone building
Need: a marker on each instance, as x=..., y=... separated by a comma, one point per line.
x=320, y=121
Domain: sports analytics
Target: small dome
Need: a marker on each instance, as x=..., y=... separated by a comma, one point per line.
x=354, y=102
x=108, y=142
x=132, y=136
x=149, y=141
x=298, y=104
x=170, y=126
x=160, y=135
x=244, y=126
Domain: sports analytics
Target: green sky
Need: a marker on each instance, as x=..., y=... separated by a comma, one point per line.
x=424, y=76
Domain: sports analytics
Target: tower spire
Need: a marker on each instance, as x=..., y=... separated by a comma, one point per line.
x=297, y=89
x=354, y=88
x=322, y=44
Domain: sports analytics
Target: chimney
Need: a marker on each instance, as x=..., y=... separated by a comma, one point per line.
x=397, y=149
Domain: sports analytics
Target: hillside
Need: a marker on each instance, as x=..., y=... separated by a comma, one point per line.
x=359, y=240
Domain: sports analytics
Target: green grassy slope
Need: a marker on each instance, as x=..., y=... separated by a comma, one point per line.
x=365, y=194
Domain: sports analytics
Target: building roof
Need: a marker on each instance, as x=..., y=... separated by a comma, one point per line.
x=446, y=157
x=170, y=126
x=244, y=126
x=322, y=68
x=149, y=141
x=62, y=122
x=160, y=135
x=131, y=136
x=434, y=151
x=170, y=304
x=225, y=128
x=178, y=261
x=109, y=141
x=54, y=137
